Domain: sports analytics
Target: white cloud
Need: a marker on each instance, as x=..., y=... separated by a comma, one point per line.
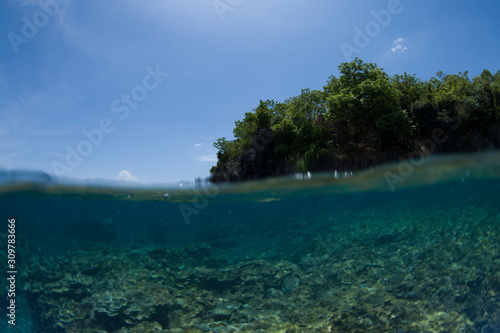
x=126, y=176
x=399, y=48
x=198, y=144
x=206, y=158
x=399, y=45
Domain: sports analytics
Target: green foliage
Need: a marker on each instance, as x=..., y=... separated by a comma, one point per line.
x=308, y=106
x=301, y=127
x=365, y=95
x=366, y=112
x=411, y=89
x=395, y=128
x=226, y=150
x=262, y=117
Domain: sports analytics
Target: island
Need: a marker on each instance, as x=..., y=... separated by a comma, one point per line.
x=360, y=119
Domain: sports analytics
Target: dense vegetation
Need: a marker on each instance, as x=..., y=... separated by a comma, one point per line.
x=362, y=118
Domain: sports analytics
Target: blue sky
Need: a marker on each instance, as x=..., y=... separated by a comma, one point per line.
x=154, y=83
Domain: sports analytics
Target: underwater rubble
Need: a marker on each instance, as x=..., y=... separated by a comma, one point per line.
x=397, y=273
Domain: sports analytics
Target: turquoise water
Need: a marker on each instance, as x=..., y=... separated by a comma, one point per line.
x=396, y=249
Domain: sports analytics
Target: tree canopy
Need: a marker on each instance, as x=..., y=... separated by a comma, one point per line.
x=359, y=119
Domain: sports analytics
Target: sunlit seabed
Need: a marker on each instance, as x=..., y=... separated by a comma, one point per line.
x=400, y=248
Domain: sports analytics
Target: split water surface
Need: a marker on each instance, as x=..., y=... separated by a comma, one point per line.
x=333, y=252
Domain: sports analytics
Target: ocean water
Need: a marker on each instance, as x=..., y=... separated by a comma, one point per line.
x=401, y=248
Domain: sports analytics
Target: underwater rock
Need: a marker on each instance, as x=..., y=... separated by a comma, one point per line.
x=433, y=281
x=273, y=293
x=290, y=282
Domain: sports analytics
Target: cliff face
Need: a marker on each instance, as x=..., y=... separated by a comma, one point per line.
x=260, y=161
x=358, y=150
x=254, y=163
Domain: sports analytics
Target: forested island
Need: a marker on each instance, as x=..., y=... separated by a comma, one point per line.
x=360, y=119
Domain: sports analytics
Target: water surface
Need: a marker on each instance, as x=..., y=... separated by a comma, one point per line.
x=396, y=249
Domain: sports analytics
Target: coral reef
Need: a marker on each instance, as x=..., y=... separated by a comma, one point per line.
x=399, y=272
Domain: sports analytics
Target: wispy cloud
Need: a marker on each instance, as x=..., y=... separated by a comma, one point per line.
x=399, y=45
x=198, y=144
x=126, y=176
x=206, y=158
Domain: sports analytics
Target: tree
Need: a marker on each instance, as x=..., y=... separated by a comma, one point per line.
x=364, y=96
x=360, y=118
x=411, y=89
x=226, y=149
